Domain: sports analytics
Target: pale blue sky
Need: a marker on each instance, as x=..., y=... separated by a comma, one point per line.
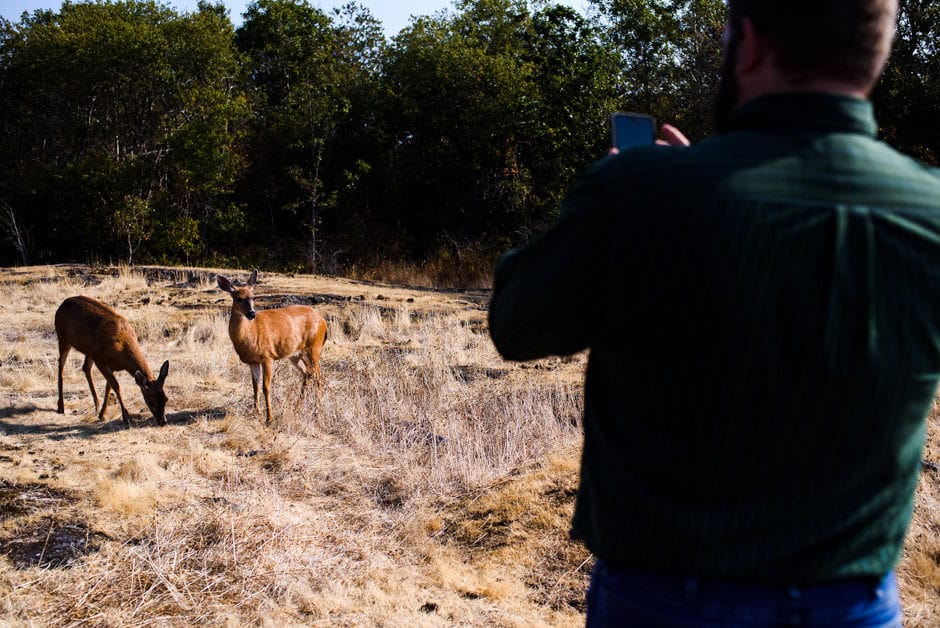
x=394, y=15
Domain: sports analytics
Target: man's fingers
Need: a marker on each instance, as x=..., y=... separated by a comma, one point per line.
x=672, y=136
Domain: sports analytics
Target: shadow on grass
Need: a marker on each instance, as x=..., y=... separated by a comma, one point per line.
x=188, y=417
x=57, y=431
x=12, y=411
x=80, y=429
x=51, y=544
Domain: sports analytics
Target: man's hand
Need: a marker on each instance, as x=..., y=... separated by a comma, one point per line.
x=671, y=136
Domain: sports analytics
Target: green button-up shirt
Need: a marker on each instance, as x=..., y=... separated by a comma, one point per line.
x=762, y=311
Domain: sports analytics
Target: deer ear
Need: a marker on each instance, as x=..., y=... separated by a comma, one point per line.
x=254, y=277
x=164, y=371
x=223, y=283
x=141, y=379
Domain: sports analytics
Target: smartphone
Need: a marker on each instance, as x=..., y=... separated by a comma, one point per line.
x=631, y=129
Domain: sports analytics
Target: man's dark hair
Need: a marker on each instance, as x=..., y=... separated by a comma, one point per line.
x=847, y=40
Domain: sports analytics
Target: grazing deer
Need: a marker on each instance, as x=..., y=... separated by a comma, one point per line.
x=108, y=341
x=296, y=332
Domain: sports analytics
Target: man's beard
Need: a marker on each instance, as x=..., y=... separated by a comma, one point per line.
x=726, y=99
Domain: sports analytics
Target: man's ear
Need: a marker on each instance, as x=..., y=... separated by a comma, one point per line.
x=753, y=50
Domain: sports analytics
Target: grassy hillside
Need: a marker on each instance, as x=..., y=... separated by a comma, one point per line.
x=433, y=487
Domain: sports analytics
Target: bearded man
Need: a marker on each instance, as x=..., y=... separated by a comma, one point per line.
x=762, y=311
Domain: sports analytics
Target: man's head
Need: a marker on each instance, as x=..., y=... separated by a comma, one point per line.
x=810, y=45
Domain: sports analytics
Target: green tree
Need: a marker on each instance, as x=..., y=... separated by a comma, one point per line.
x=297, y=75
x=455, y=90
x=907, y=98
x=576, y=76
x=670, y=54
x=133, y=221
x=355, y=145
x=108, y=101
x=490, y=112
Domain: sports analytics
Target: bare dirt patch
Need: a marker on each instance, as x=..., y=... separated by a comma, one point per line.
x=34, y=535
x=50, y=543
x=18, y=500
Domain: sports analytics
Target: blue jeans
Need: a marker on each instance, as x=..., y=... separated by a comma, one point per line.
x=624, y=597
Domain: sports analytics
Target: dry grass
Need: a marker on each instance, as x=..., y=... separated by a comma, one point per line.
x=919, y=571
x=450, y=266
x=434, y=487
x=336, y=517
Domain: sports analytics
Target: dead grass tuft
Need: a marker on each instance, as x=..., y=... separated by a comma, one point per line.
x=274, y=460
x=144, y=468
x=128, y=497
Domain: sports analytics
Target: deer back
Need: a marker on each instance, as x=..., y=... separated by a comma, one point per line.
x=102, y=334
x=278, y=333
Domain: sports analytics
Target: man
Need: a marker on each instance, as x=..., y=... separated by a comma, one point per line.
x=762, y=311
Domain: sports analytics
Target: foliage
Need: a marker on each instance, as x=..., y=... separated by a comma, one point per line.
x=108, y=102
x=306, y=140
x=301, y=70
x=133, y=220
x=492, y=112
x=670, y=53
x=907, y=98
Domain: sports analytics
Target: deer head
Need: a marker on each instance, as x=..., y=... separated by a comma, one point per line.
x=243, y=299
x=153, y=393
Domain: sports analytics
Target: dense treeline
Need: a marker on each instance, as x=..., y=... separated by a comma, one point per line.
x=129, y=130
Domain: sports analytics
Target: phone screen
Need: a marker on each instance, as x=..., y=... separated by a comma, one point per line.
x=632, y=129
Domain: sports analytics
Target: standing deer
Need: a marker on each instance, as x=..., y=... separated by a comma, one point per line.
x=108, y=341
x=296, y=332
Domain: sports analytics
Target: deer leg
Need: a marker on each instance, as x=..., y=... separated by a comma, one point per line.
x=107, y=398
x=255, y=376
x=64, y=349
x=112, y=381
x=301, y=364
x=304, y=386
x=267, y=372
x=86, y=367
x=317, y=376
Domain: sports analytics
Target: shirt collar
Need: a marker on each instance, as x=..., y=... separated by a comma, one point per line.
x=802, y=112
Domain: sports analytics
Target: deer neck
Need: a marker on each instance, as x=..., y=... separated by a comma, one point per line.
x=240, y=329
x=134, y=361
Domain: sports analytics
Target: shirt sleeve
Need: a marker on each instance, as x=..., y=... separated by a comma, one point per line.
x=547, y=293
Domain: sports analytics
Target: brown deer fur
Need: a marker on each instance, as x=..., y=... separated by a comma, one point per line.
x=296, y=332
x=108, y=342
